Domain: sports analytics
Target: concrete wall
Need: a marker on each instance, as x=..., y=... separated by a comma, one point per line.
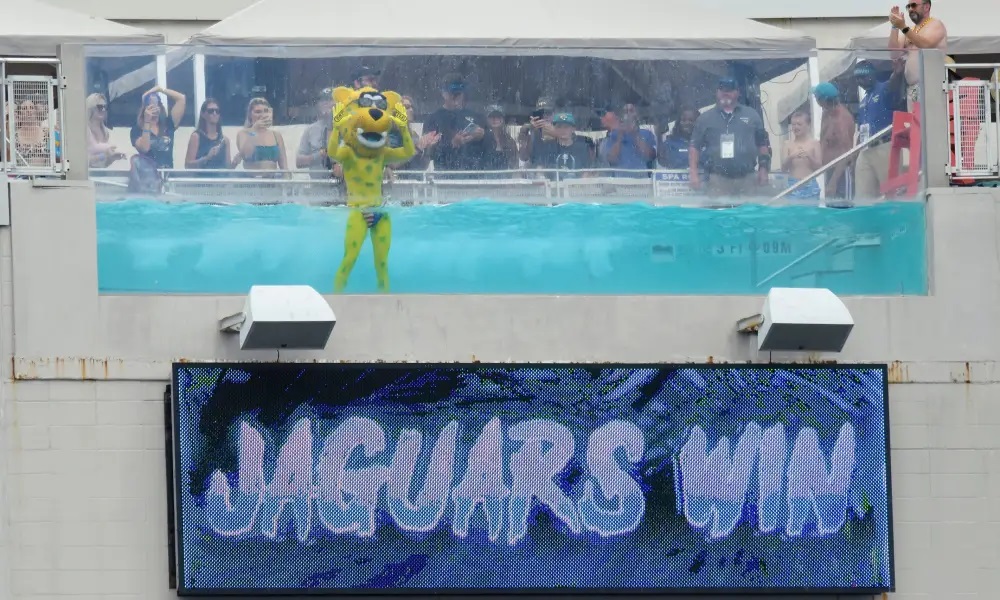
x=83, y=488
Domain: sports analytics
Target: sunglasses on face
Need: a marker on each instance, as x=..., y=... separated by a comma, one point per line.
x=369, y=101
x=211, y=111
x=913, y=5
x=101, y=107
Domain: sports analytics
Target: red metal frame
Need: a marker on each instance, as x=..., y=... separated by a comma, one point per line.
x=906, y=134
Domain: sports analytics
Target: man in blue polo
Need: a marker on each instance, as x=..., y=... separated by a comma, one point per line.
x=874, y=114
x=627, y=145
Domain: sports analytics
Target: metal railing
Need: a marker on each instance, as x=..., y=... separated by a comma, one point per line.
x=544, y=186
x=30, y=120
x=973, y=125
x=878, y=137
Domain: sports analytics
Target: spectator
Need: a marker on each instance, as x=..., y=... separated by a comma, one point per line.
x=874, y=114
x=626, y=146
x=673, y=150
x=365, y=76
x=208, y=148
x=802, y=156
x=926, y=32
x=312, y=147
x=499, y=148
x=567, y=151
x=31, y=136
x=461, y=130
x=101, y=152
x=260, y=147
x=537, y=129
x=153, y=134
x=836, y=137
x=57, y=134
x=735, y=144
x=421, y=160
x=630, y=112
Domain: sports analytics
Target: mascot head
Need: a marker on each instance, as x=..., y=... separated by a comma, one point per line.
x=366, y=128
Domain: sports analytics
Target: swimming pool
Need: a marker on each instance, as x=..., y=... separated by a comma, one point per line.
x=484, y=247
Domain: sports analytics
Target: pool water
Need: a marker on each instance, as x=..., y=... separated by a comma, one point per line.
x=483, y=247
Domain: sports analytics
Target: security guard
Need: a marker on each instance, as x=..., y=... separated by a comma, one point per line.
x=735, y=144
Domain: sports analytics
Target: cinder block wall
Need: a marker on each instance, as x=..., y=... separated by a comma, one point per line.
x=84, y=490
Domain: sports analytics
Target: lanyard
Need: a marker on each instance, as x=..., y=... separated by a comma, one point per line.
x=729, y=119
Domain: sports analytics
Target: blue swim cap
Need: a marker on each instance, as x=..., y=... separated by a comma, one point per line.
x=826, y=91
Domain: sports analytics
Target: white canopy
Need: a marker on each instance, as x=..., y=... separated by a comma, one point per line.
x=628, y=29
x=970, y=23
x=33, y=28
x=790, y=96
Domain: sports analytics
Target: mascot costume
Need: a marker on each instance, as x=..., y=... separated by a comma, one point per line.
x=359, y=142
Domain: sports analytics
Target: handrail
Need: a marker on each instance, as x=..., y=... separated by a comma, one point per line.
x=29, y=60
x=846, y=155
x=655, y=185
x=974, y=66
x=531, y=176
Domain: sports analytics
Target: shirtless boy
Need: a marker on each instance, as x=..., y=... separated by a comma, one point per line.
x=801, y=156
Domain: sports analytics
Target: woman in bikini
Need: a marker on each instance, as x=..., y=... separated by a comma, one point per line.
x=259, y=147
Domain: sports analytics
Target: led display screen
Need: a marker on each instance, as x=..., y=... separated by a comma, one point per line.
x=298, y=478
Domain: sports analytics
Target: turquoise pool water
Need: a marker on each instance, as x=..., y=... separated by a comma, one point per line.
x=485, y=247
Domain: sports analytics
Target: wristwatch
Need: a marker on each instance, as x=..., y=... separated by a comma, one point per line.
x=905, y=30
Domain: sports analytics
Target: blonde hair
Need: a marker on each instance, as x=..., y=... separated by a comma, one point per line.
x=255, y=102
x=92, y=101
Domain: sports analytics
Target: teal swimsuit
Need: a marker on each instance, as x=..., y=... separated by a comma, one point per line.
x=263, y=153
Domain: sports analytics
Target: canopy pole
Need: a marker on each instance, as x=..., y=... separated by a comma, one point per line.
x=161, y=76
x=199, y=81
x=817, y=113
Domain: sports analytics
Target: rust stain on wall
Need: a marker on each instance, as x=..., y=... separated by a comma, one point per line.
x=898, y=372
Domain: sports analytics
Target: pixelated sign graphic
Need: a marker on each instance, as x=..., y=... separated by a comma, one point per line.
x=570, y=478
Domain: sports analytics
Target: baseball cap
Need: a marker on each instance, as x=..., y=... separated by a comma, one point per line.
x=365, y=71
x=864, y=68
x=826, y=91
x=494, y=109
x=544, y=103
x=607, y=108
x=563, y=117
x=728, y=83
x=453, y=83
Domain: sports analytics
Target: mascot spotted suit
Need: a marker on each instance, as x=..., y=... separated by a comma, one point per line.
x=359, y=142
